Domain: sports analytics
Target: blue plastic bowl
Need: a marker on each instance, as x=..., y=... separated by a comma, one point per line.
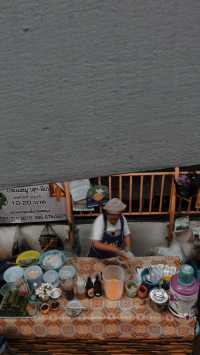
x=149, y=284
x=52, y=254
x=13, y=274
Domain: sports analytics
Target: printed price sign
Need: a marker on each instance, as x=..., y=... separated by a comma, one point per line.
x=30, y=204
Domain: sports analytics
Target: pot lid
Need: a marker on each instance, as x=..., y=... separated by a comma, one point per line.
x=159, y=295
x=186, y=275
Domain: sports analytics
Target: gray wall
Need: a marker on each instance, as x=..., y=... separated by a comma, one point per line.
x=93, y=87
x=146, y=235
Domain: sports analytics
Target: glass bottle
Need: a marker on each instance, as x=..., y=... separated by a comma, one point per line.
x=97, y=287
x=89, y=288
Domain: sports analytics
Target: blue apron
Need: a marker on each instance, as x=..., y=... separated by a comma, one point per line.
x=108, y=238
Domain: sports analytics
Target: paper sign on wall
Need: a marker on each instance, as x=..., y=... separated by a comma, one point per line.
x=30, y=204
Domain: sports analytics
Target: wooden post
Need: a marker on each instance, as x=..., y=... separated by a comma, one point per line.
x=172, y=207
x=69, y=242
x=68, y=203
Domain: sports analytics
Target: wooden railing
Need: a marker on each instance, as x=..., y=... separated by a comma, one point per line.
x=145, y=194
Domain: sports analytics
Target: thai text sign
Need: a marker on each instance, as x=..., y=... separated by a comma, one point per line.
x=30, y=204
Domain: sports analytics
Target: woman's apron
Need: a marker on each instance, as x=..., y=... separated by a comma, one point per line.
x=108, y=238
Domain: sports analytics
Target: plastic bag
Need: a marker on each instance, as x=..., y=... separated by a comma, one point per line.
x=173, y=250
x=49, y=239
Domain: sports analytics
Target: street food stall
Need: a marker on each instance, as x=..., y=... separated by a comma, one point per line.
x=53, y=302
x=86, y=305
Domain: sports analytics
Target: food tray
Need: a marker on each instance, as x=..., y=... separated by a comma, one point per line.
x=13, y=305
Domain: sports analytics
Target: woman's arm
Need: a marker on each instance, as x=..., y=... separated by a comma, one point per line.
x=127, y=242
x=107, y=247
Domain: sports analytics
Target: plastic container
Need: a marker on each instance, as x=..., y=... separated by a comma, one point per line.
x=14, y=274
x=33, y=274
x=67, y=272
x=68, y=288
x=131, y=288
x=32, y=307
x=113, y=279
x=51, y=277
x=52, y=259
x=80, y=287
x=183, y=297
x=27, y=258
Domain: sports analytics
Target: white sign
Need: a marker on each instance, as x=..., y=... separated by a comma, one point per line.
x=29, y=204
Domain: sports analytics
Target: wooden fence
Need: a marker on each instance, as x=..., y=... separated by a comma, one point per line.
x=145, y=194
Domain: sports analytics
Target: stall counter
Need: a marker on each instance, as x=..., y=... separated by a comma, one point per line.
x=104, y=321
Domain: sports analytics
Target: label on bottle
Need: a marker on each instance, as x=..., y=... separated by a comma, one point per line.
x=90, y=292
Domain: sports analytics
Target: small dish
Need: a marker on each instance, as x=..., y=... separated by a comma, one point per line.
x=55, y=305
x=73, y=308
x=55, y=293
x=44, y=308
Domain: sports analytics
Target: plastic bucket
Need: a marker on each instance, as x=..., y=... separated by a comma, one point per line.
x=113, y=277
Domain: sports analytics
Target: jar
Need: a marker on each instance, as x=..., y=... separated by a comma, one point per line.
x=131, y=288
x=80, y=287
x=55, y=305
x=44, y=308
x=32, y=307
x=158, y=299
x=113, y=280
x=44, y=297
x=142, y=291
x=68, y=288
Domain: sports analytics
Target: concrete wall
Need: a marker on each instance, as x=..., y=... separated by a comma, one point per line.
x=93, y=87
x=145, y=236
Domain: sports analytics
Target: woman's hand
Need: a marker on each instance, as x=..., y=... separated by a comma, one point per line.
x=107, y=247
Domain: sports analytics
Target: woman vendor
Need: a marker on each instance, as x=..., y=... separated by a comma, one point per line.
x=110, y=232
